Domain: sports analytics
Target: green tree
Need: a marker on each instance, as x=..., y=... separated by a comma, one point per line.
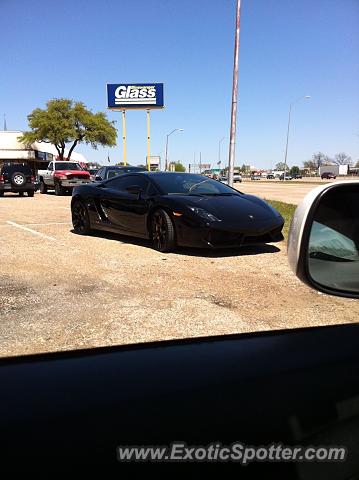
x=68, y=123
x=357, y=164
x=294, y=170
x=280, y=166
x=178, y=166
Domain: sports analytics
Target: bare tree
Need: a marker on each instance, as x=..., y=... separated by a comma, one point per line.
x=310, y=165
x=319, y=159
x=343, y=159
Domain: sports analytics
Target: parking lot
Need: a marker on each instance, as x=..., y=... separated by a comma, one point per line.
x=62, y=291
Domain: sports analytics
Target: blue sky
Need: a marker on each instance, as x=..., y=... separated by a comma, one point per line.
x=289, y=48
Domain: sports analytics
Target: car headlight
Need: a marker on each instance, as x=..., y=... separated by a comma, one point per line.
x=201, y=212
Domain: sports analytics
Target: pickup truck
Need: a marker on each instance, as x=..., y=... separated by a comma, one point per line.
x=62, y=176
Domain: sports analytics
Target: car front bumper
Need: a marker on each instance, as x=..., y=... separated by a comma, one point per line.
x=216, y=235
x=74, y=183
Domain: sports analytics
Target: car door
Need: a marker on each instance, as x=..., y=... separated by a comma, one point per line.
x=49, y=174
x=125, y=210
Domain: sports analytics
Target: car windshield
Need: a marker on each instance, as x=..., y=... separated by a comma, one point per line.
x=67, y=166
x=187, y=184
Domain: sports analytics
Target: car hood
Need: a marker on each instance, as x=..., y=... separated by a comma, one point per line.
x=231, y=207
x=80, y=173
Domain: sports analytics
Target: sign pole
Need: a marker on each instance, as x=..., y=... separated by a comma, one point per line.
x=148, y=140
x=124, y=137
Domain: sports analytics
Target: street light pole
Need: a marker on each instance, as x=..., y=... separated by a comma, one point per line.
x=232, y=141
x=166, y=154
x=286, y=146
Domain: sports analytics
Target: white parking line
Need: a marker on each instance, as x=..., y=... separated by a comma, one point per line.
x=45, y=224
x=30, y=230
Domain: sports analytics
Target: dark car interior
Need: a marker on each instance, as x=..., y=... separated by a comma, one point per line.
x=72, y=409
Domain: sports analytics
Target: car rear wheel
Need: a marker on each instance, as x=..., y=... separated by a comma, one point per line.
x=80, y=218
x=163, y=231
x=43, y=188
x=30, y=193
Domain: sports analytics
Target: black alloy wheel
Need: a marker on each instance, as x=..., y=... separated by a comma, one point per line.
x=163, y=232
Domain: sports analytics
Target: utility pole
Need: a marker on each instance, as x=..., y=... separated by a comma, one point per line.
x=232, y=136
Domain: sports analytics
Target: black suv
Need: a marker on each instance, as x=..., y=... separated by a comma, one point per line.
x=17, y=178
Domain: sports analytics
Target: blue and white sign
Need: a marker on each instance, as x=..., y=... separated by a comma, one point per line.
x=122, y=96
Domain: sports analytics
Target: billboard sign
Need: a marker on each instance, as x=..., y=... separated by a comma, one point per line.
x=155, y=162
x=123, y=96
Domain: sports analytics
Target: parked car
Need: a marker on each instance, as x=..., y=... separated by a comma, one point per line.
x=328, y=175
x=17, y=178
x=237, y=177
x=110, y=171
x=287, y=177
x=175, y=209
x=270, y=176
x=92, y=172
x=297, y=176
x=62, y=176
x=255, y=177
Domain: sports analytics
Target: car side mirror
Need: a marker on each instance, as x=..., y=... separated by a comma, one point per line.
x=98, y=179
x=323, y=244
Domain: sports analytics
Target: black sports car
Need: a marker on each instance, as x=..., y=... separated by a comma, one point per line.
x=174, y=209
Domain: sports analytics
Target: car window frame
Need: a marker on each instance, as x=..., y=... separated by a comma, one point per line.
x=132, y=175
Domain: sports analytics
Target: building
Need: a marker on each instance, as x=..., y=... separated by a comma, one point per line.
x=37, y=157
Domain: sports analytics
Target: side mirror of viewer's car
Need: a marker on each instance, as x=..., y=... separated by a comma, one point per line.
x=323, y=245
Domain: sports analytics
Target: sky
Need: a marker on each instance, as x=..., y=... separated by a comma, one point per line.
x=288, y=49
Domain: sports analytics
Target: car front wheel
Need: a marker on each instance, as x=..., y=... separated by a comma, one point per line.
x=163, y=232
x=59, y=190
x=43, y=187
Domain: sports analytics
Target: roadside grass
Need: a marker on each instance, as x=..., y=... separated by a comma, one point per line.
x=287, y=211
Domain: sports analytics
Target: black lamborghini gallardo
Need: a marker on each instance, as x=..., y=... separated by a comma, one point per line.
x=174, y=209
